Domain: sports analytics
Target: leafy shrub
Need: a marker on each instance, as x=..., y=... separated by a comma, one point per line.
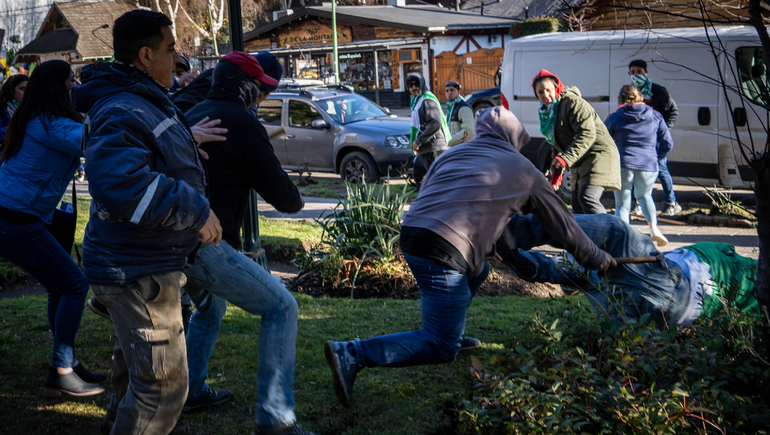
x=365, y=225
x=535, y=26
x=579, y=372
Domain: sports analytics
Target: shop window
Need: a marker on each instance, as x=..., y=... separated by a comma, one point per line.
x=302, y=114
x=358, y=70
x=269, y=112
x=752, y=71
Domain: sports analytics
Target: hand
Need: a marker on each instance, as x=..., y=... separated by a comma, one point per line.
x=608, y=262
x=211, y=231
x=556, y=187
x=497, y=258
x=556, y=163
x=205, y=131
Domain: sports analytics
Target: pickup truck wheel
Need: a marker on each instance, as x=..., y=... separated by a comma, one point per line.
x=357, y=167
x=477, y=109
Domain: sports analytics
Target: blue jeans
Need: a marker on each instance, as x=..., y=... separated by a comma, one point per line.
x=221, y=274
x=628, y=290
x=641, y=183
x=34, y=249
x=445, y=294
x=666, y=183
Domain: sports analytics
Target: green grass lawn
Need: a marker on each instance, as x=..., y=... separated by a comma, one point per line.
x=387, y=401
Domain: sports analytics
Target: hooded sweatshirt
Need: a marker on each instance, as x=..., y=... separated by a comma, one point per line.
x=145, y=176
x=246, y=159
x=429, y=128
x=637, y=131
x=474, y=189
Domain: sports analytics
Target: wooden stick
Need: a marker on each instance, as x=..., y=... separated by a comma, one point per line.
x=671, y=222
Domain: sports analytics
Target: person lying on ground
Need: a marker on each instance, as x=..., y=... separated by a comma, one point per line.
x=469, y=195
x=692, y=282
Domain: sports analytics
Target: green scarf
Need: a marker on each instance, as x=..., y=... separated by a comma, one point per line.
x=414, y=104
x=644, y=84
x=450, y=105
x=547, y=115
x=734, y=276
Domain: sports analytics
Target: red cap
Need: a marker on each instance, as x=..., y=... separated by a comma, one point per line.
x=546, y=73
x=250, y=66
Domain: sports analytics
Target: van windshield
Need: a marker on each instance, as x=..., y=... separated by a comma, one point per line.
x=350, y=108
x=752, y=71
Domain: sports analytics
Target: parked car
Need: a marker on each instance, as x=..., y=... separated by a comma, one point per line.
x=334, y=130
x=485, y=99
x=705, y=147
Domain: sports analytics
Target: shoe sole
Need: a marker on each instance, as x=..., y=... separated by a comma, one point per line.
x=194, y=407
x=334, y=364
x=54, y=393
x=469, y=348
x=660, y=241
x=98, y=312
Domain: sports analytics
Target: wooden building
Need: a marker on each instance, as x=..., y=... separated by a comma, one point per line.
x=439, y=43
x=79, y=32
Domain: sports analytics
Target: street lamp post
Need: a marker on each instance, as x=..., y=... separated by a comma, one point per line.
x=252, y=246
x=334, y=43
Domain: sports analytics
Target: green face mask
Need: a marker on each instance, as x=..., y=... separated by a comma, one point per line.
x=547, y=114
x=644, y=84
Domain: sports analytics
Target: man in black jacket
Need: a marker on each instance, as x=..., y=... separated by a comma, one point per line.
x=657, y=97
x=430, y=132
x=221, y=273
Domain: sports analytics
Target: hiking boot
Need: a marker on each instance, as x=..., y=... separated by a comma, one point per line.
x=211, y=397
x=671, y=209
x=98, y=308
x=87, y=375
x=470, y=343
x=636, y=209
x=344, y=369
x=292, y=429
x=70, y=383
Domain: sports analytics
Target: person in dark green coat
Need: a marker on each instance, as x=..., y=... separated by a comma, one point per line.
x=580, y=143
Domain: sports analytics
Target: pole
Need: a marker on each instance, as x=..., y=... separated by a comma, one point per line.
x=252, y=246
x=376, y=79
x=334, y=43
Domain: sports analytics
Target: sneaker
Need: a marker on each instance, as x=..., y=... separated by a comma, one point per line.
x=70, y=383
x=292, y=429
x=87, y=375
x=671, y=209
x=636, y=209
x=99, y=308
x=344, y=369
x=470, y=343
x=658, y=237
x=211, y=397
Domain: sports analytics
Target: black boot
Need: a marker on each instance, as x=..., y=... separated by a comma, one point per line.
x=70, y=383
x=87, y=375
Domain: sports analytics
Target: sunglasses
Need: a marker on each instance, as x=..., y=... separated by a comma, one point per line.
x=414, y=85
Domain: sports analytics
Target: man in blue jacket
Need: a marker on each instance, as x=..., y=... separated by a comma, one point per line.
x=222, y=274
x=149, y=213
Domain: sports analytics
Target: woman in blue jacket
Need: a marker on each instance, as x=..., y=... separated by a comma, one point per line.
x=10, y=96
x=637, y=129
x=42, y=149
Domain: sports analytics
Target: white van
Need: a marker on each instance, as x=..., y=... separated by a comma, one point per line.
x=705, y=151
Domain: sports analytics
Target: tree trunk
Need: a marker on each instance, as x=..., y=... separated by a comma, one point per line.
x=761, y=166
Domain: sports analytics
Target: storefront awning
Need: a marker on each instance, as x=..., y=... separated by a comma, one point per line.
x=384, y=44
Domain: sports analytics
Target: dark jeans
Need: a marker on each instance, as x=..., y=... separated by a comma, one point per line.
x=149, y=372
x=445, y=294
x=588, y=200
x=34, y=249
x=422, y=163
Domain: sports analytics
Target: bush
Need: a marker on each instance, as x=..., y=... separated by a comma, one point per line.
x=535, y=26
x=578, y=372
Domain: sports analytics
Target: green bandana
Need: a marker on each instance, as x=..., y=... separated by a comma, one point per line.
x=644, y=84
x=414, y=104
x=548, y=120
x=450, y=106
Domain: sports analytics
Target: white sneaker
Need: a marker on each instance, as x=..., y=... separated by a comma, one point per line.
x=671, y=209
x=658, y=237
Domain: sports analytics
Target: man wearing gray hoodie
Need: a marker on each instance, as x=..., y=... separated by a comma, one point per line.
x=448, y=236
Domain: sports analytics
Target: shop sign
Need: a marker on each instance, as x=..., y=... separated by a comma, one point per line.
x=344, y=56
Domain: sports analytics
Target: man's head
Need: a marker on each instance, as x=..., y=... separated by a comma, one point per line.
x=182, y=66
x=452, y=90
x=414, y=85
x=636, y=67
x=273, y=68
x=254, y=70
x=144, y=39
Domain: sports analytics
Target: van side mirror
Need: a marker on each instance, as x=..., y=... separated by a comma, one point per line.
x=319, y=124
x=386, y=110
x=704, y=116
x=739, y=117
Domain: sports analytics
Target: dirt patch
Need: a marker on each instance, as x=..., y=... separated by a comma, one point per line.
x=400, y=285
